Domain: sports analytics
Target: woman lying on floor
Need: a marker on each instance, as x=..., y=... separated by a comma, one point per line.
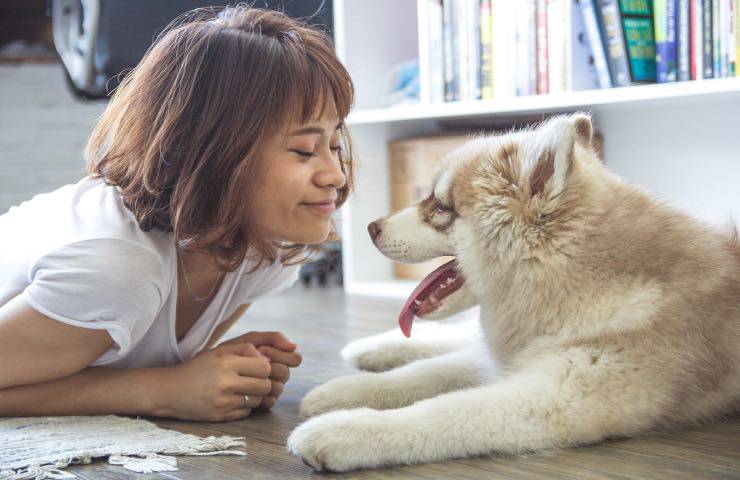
x=218, y=162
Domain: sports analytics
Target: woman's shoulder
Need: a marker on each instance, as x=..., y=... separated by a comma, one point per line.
x=88, y=212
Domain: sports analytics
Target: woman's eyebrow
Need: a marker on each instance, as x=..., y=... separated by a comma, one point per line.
x=312, y=130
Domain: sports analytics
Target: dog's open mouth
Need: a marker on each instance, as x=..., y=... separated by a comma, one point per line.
x=428, y=296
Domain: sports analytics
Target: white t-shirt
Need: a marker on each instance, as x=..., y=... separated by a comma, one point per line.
x=77, y=255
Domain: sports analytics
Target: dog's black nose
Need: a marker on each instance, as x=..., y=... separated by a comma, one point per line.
x=374, y=230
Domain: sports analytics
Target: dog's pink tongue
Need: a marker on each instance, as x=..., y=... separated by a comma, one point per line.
x=428, y=285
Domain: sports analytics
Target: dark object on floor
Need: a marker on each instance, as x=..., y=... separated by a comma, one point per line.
x=324, y=266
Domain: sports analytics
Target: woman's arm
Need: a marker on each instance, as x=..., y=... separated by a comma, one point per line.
x=43, y=371
x=35, y=348
x=92, y=391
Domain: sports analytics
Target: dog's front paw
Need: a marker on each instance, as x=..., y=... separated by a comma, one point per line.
x=339, y=394
x=379, y=353
x=340, y=441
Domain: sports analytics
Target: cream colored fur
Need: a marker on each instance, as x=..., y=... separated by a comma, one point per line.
x=603, y=314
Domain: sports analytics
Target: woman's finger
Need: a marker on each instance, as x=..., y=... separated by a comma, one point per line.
x=252, y=386
x=279, y=372
x=277, y=389
x=291, y=359
x=237, y=414
x=257, y=367
x=268, y=402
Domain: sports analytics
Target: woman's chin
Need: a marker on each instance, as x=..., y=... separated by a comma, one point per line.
x=311, y=237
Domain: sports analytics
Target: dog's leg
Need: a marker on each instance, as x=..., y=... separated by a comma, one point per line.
x=403, y=386
x=558, y=402
x=389, y=350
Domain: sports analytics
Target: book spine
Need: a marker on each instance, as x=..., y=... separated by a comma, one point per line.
x=593, y=33
x=486, y=49
x=695, y=46
x=682, y=41
x=707, y=23
x=435, y=51
x=450, y=54
x=671, y=50
x=716, y=36
x=611, y=26
x=461, y=44
x=555, y=46
x=532, y=45
x=472, y=9
x=724, y=35
x=732, y=41
x=637, y=23
x=542, y=60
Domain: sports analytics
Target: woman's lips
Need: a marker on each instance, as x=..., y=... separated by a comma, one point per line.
x=325, y=208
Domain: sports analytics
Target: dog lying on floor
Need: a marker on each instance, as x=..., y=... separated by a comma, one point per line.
x=603, y=314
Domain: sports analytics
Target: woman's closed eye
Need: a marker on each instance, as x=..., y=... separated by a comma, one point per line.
x=307, y=154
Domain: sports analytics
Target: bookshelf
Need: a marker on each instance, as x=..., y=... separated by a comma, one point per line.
x=680, y=140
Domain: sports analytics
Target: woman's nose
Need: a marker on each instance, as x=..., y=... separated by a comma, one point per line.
x=332, y=174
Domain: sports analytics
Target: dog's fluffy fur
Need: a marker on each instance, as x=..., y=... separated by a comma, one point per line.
x=603, y=314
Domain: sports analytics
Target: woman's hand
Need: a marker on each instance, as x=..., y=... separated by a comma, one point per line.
x=282, y=354
x=212, y=385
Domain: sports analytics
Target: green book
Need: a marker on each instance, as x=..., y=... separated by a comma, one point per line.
x=637, y=25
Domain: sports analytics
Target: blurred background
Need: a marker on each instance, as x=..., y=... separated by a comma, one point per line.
x=660, y=81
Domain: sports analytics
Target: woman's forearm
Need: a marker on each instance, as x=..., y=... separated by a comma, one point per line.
x=93, y=391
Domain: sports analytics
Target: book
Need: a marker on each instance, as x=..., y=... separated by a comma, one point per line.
x=525, y=60
x=637, y=25
x=666, y=59
x=593, y=34
x=452, y=91
x=431, y=51
x=616, y=53
x=472, y=37
x=696, y=42
x=486, y=50
x=542, y=60
x=733, y=41
x=707, y=39
x=581, y=70
x=556, y=30
x=716, y=39
x=504, y=53
x=682, y=41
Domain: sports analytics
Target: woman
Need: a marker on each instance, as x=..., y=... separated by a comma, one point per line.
x=218, y=162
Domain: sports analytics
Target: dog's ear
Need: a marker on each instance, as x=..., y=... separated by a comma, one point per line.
x=555, y=141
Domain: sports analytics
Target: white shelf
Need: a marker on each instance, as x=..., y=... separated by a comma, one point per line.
x=546, y=103
x=679, y=140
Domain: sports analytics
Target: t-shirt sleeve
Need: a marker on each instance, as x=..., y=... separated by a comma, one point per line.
x=103, y=284
x=269, y=280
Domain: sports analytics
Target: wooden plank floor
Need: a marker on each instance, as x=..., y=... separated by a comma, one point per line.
x=322, y=321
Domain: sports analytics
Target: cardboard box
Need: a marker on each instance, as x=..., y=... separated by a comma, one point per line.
x=413, y=164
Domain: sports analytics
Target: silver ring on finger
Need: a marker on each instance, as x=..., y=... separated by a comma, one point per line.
x=246, y=401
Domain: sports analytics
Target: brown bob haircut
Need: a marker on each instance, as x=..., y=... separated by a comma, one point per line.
x=181, y=136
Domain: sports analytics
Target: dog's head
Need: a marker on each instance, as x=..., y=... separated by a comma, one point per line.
x=498, y=201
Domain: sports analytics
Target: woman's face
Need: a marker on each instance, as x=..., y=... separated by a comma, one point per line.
x=295, y=198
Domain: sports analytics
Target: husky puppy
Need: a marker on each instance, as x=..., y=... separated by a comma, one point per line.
x=603, y=313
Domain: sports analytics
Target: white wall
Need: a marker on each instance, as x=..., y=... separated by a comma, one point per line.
x=695, y=166
x=42, y=131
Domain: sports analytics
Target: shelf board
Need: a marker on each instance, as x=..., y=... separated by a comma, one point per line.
x=545, y=103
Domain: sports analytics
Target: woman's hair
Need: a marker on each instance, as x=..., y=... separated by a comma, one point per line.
x=183, y=132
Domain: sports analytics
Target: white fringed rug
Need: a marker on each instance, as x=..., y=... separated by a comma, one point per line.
x=40, y=447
